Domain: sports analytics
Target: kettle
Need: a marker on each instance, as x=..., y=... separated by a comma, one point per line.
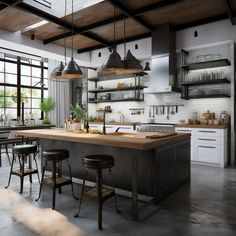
x=224, y=118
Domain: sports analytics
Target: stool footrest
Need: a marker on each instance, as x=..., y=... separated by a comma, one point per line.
x=27, y=171
x=106, y=193
x=60, y=181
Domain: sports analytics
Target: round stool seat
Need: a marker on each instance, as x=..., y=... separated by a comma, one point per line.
x=98, y=161
x=25, y=149
x=55, y=154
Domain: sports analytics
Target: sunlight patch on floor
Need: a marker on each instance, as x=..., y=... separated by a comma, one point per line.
x=42, y=221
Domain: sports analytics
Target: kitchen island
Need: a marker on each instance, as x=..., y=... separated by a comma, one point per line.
x=147, y=166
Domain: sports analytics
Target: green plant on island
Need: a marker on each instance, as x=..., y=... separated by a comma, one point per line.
x=47, y=105
x=78, y=113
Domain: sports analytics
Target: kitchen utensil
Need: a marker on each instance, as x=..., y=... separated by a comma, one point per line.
x=163, y=110
x=157, y=110
x=153, y=112
x=150, y=113
x=176, y=109
x=168, y=112
x=172, y=111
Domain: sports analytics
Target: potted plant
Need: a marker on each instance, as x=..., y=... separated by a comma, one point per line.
x=46, y=105
x=78, y=114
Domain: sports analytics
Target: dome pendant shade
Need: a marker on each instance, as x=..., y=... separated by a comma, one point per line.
x=72, y=70
x=56, y=73
x=113, y=63
x=132, y=64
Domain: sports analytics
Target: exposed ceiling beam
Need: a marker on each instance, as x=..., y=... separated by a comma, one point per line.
x=142, y=36
x=175, y=28
x=202, y=21
x=84, y=29
x=35, y=11
x=230, y=12
x=140, y=11
x=128, y=12
x=155, y=6
x=2, y=6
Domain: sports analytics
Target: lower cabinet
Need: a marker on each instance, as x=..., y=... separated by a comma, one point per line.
x=208, y=146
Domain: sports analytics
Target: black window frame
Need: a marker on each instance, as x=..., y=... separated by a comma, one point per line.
x=19, y=62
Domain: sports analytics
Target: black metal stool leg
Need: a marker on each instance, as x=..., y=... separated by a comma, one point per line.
x=81, y=194
x=30, y=166
x=59, y=170
x=8, y=157
x=99, y=193
x=12, y=163
x=72, y=187
x=113, y=185
x=36, y=164
x=41, y=183
x=54, y=184
x=22, y=171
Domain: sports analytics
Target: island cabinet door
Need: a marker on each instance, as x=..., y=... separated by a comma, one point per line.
x=163, y=171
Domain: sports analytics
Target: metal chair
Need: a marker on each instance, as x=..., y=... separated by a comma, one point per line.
x=56, y=180
x=98, y=162
x=24, y=152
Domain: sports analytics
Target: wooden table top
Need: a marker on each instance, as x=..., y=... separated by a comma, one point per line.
x=125, y=140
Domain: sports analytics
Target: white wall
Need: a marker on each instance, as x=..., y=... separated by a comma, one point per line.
x=208, y=34
x=19, y=42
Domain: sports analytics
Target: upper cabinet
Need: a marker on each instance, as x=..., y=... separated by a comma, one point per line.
x=206, y=72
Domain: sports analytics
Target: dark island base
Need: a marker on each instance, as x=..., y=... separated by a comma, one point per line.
x=155, y=173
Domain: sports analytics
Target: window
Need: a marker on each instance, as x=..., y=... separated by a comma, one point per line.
x=22, y=80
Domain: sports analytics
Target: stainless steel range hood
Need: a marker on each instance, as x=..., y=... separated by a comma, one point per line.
x=163, y=64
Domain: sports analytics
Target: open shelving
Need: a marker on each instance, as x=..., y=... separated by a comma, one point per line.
x=137, y=87
x=207, y=64
x=185, y=68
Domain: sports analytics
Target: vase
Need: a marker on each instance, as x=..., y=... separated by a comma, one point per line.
x=76, y=126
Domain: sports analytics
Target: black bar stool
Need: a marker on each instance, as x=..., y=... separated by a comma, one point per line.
x=98, y=162
x=23, y=152
x=56, y=180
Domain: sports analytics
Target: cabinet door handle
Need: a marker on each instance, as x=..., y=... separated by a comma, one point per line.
x=204, y=131
x=207, y=139
x=187, y=131
x=206, y=147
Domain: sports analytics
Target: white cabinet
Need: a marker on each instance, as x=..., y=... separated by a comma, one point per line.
x=208, y=146
x=191, y=131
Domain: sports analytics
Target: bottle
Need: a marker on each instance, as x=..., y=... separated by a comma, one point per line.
x=86, y=126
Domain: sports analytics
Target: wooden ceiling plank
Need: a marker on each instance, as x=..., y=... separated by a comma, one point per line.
x=138, y=12
x=127, y=12
x=56, y=20
x=230, y=11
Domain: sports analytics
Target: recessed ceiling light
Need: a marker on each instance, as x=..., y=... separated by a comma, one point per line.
x=36, y=25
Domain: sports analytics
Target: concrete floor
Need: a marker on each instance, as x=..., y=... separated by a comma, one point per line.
x=204, y=208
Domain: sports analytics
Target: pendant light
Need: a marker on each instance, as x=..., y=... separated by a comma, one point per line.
x=113, y=63
x=57, y=72
x=131, y=64
x=72, y=70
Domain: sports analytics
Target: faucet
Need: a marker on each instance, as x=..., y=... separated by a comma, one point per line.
x=116, y=131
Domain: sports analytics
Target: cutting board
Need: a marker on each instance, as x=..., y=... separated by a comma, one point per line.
x=160, y=135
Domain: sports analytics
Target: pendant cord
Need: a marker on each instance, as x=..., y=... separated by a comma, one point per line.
x=65, y=32
x=72, y=54
x=114, y=19
x=124, y=37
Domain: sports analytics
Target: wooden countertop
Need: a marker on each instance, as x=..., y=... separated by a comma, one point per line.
x=126, y=140
x=204, y=126
x=21, y=127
